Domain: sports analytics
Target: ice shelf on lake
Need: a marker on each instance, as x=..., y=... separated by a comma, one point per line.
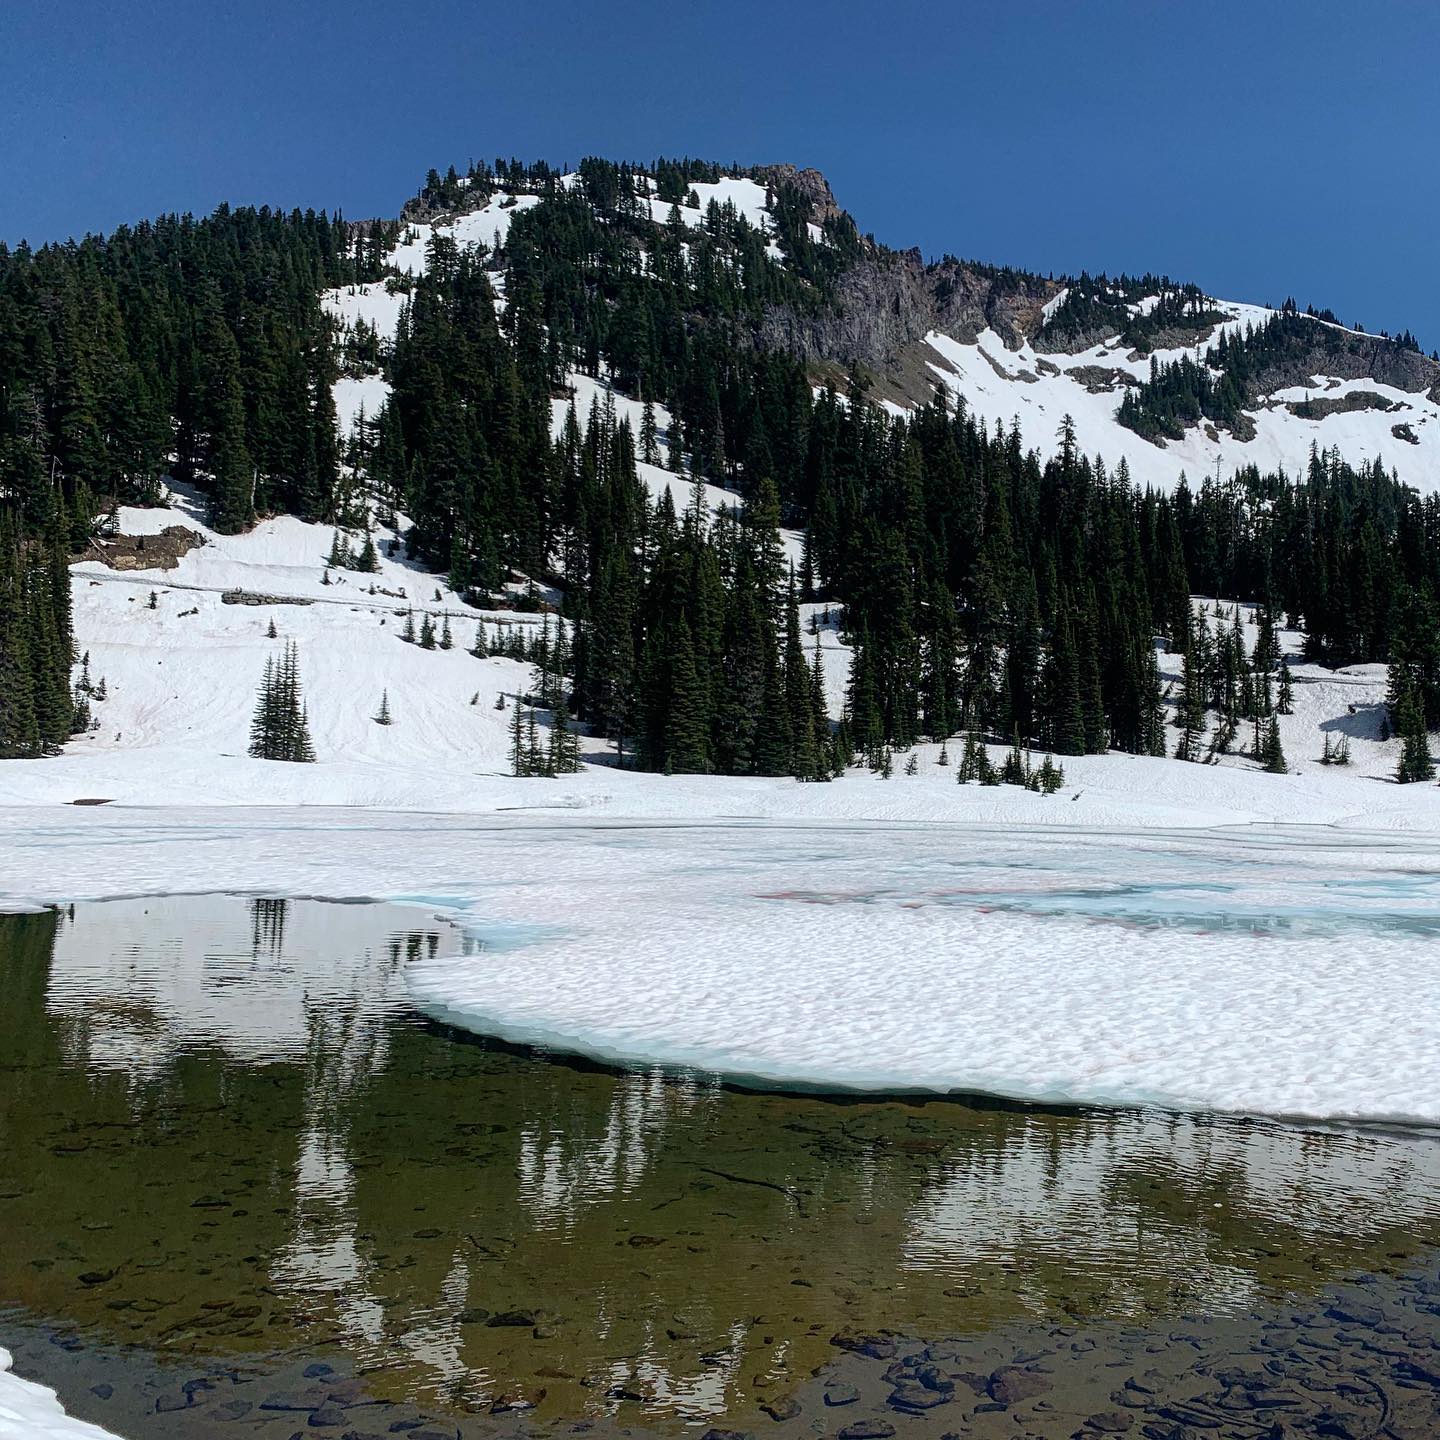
x=1287, y=972
x=1216, y=973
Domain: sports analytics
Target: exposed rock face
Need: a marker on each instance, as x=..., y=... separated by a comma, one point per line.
x=888, y=301
x=1317, y=407
x=1099, y=378
x=1350, y=356
x=810, y=183
x=144, y=552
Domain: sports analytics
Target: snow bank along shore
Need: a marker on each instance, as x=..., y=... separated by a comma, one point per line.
x=1280, y=973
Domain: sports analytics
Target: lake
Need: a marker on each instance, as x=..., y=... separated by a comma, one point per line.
x=233, y=1153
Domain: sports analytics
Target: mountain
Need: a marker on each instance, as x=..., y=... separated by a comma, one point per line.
x=1024, y=348
x=781, y=498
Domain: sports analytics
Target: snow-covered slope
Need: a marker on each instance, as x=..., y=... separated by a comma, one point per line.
x=181, y=681
x=1037, y=390
x=181, y=678
x=1029, y=383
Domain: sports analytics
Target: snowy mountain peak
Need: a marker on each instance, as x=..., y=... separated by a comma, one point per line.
x=1126, y=357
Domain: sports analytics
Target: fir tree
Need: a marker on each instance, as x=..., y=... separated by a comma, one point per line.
x=427, y=632
x=1416, y=762
x=280, y=729
x=382, y=715
x=1285, y=698
x=1274, y=754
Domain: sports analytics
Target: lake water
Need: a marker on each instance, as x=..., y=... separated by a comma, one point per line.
x=231, y=1149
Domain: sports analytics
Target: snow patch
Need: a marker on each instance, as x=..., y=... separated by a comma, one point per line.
x=32, y=1412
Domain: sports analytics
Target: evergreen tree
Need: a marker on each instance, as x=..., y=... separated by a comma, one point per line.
x=280, y=729
x=1416, y=762
x=1274, y=754
x=519, y=756
x=1285, y=699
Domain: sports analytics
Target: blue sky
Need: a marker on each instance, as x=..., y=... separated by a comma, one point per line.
x=1260, y=149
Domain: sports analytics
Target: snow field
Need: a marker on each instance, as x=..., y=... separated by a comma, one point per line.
x=1001, y=386
x=181, y=687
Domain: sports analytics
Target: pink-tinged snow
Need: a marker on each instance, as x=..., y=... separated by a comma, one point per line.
x=1001, y=385
x=31, y=1412
x=1280, y=972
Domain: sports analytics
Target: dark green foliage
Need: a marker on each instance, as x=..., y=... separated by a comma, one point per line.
x=1416, y=762
x=280, y=729
x=982, y=588
x=1182, y=394
x=1274, y=755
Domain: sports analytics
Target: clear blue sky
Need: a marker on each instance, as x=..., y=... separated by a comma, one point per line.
x=1259, y=149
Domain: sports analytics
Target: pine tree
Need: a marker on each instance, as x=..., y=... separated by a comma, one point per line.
x=649, y=448
x=1190, y=705
x=519, y=756
x=1274, y=755
x=564, y=753
x=1050, y=775
x=1285, y=699
x=408, y=633
x=280, y=727
x=534, y=756
x=447, y=640
x=382, y=715
x=1416, y=762
x=427, y=632
x=1015, y=770
x=686, y=739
